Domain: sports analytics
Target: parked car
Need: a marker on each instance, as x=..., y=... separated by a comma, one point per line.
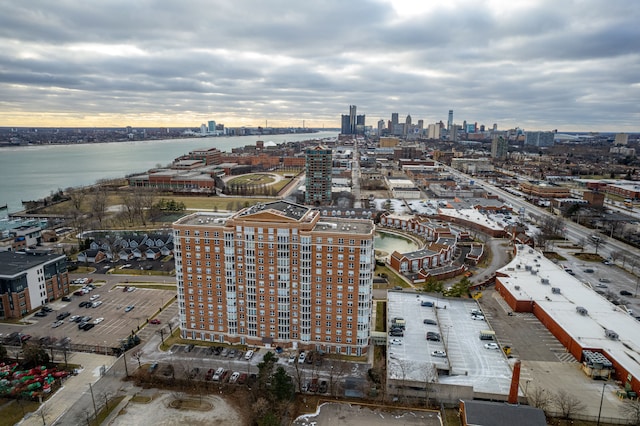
x=73, y=318
x=242, y=379
x=433, y=336
x=96, y=304
x=430, y=322
x=57, y=324
x=47, y=309
x=66, y=299
x=40, y=314
x=323, y=387
x=98, y=320
x=604, y=280
x=25, y=337
x=78, y=293
x=301, y=358
x=426, y=303
x=129, y=308
x=625, y=293
x=234, y=377
x=292, y=358
x=189, y=347
x=209, y=374
x=83, y=304
x=395, y=342
x=248, y=355
x=491, y=346
x=439, y=354
x=477, y=317
x=94, y=297
x=232, y=353
x=88, y=326
x=154, y=321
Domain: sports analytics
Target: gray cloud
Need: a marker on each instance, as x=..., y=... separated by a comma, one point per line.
x=543, y=64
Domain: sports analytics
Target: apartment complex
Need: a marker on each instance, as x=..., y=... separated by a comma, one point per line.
x=276, y=274
x=30, y=280
x=318, y=169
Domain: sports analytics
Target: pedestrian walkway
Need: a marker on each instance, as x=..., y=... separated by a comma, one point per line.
x=72, y=388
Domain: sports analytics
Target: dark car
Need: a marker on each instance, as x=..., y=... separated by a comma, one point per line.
x=396, y=333
x=430, y=322
x=88, y=326
x=323, y=387
x=83, y=304
x=66, y=299
x=25, y=337
x=209, y=374
x=40, y=314
x=434, y=337
x=217, y=350
x=427, y=304
x=47, y=309
x=78, y=293
x=625, y=293
x=62, y=315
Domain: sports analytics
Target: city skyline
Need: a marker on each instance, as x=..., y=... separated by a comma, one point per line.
x=537, y=65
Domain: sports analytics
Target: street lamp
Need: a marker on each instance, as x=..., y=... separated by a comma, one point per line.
x=601, y=398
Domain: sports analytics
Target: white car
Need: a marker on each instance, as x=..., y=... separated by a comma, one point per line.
x=98, y=320
x=96, y=304
x=292, y=358
x=94, y=297
x=57, y=324
x=439, y=354
x=395, y=342
x=234, y=377
x=302, y=357
x=491, y=346
x=73, y=318
x=477, y=317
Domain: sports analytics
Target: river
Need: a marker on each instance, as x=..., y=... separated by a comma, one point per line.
x=33, y=172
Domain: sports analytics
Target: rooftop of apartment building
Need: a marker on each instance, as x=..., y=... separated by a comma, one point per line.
x=14, y=263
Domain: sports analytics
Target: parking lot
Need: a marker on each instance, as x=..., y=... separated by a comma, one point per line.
x=116, y=324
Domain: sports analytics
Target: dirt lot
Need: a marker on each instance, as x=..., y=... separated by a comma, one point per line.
x=160, y=412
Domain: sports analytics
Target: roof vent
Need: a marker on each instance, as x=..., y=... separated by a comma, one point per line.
x=555, y=290
x=581, y=310
x=611, y=334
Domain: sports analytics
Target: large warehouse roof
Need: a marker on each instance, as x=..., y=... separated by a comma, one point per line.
x=588, y=318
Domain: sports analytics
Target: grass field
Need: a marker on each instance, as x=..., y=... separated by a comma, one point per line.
x=253, y=179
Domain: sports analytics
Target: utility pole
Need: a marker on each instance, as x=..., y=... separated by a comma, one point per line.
x=95, y=410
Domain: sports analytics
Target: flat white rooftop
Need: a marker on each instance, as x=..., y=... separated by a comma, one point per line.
x=471, y=215
x=468, y=362
x=532, y=277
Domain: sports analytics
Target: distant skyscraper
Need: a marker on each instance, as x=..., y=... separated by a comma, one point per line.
x=433, y=132
x=345, y=128
x=318, y=168
x=380, y=127
x=407, y=125
x=211, y=125
x=499, y=148
x=421, y=124
x=450, y=120
x=394, y=119
x=352, y=124
x=352, y=119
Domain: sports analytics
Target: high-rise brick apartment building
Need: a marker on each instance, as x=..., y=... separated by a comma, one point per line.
x=318, y=169
x=276, y=274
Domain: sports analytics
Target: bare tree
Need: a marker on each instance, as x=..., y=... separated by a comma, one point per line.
x=539, y=398
x=299, y=374
x=631, y=410
x=568, y=404
x=106, y=396
x=337, y=369
x=137, y=355
x=99, y=203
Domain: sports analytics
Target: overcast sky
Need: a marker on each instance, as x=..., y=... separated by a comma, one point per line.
x=536, y=64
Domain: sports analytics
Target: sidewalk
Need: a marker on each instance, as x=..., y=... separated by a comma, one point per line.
x=72, y=388
x=114, y=413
